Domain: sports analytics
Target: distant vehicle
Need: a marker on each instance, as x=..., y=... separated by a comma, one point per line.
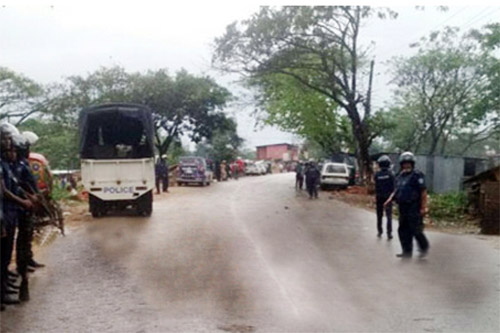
x=117, y=157
x=194, y=170
x=251, y=169
x=335, y=174
x=261, y=167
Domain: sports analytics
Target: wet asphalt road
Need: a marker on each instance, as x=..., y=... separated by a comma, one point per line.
x=254, y=255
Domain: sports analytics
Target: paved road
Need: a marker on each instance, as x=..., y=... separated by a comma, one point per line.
x=254, y=255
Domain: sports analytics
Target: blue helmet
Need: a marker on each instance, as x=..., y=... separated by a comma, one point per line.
x=384, y=162
x=407, y=156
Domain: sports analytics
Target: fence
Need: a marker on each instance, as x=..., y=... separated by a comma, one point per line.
x=445, y=173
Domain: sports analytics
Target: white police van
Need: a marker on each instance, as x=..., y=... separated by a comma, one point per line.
x=117, y=157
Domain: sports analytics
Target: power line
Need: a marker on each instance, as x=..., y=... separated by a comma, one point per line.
x=476, y=16
x=416, y=37
x=481, y=18
x=450, y=17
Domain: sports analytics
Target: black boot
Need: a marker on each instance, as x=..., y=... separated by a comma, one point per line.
x=10, y=291
x=35, y=264
x=7, y=300
x=13, y=274
x=12, y=285
x=24, y=294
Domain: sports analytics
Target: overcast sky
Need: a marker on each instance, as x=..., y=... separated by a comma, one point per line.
x=49, y=42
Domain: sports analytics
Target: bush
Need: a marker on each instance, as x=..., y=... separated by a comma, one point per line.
x=449, y=206
x=59, y=193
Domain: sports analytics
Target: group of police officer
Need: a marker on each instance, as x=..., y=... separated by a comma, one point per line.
x=310, y=172
x=19, y=197
x=408, y=190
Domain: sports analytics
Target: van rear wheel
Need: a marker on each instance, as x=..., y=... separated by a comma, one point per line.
x=95, y=206
x=145, y=205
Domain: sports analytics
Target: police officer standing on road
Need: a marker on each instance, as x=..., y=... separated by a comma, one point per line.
x=13, y=203
x=384, y=186
x=161, y=171
x=24, y=255
x=411, y=197
x=312, y=178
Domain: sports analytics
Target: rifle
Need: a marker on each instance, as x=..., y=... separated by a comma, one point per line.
x=45, y=207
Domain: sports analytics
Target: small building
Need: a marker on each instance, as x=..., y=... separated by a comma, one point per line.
x=278, y=152
x=483, y=191
x=443, y=174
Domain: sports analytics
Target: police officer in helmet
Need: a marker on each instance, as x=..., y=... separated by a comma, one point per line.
x=384, y=186
x=312, y=178
x=14, y=202
x=411, y=197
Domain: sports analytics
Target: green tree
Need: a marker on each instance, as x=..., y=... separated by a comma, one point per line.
x=183, y=104
x=105, y=85
x=20, y=97
x=57, y=142
x=447, y=92
x=316, y=46
x=224, y=144
x=285, y=103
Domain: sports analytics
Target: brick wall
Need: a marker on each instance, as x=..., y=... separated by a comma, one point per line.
x=276, y=152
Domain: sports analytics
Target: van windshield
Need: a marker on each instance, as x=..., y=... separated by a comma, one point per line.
x=332, y=168
x=190, y=160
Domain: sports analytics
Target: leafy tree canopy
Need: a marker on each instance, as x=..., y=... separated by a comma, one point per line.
x=448, y=91
x=182, y=104
x=58, y=143
x=20, y=97
x=318, y=47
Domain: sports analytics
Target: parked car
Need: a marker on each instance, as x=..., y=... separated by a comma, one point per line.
x=194, y=170
x=252, y=169
x=261, y=167
x=335, y=174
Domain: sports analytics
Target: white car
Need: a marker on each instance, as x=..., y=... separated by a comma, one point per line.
x=261, y=167
x=251, y=169
x=334, y=174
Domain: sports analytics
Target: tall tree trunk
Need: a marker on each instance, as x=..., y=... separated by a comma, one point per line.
x=365, y=158
x=365, y=166
x=434, y=142
x=444, y=143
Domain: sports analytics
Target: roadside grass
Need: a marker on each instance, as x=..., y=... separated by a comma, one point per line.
x=449, y=206
x=449, y=211
x=59, y=194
